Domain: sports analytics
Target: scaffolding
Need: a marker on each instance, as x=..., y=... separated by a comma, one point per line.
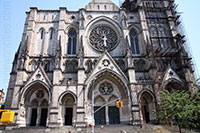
x=172, y=45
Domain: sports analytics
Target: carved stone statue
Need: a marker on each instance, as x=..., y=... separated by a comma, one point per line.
x=81, y=54
x=124, y=20
x=81, y=18
x=89, y=66
x=21, y=61
x=58, y=54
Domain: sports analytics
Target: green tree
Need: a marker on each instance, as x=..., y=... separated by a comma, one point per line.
x=179, y=108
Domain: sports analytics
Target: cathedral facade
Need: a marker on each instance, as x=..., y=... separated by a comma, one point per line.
x=70, y=63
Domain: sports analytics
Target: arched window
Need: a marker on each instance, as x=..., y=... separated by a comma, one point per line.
x=42, y=33
x=134, y=42
x=71, y=46
x=51, y=31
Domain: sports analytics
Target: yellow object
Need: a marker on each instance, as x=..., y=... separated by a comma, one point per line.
x=119, y=104
x=7, y=117
x=4, y=110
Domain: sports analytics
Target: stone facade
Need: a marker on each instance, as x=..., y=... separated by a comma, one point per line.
x=70, y=61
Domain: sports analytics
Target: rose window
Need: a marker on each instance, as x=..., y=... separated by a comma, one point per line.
x=103, y=38
x=106, y=88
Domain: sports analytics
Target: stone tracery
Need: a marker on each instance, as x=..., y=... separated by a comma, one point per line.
x=103, y=38
x=106, y=88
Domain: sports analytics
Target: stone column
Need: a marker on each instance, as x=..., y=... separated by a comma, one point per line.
x=135, y=109
x=38, y=116
x=107, y=116
x=133, y=91
x=80, y=110
x=28, y=118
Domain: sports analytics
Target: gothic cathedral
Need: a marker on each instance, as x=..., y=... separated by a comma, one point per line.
x=70, y=63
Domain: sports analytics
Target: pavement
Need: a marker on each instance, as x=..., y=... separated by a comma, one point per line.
x=100, y=129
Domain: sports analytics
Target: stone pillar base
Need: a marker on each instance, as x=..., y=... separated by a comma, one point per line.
x=53, y=125
x=80, y=125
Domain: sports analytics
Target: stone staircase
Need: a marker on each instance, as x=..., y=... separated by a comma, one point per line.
x=99, y=129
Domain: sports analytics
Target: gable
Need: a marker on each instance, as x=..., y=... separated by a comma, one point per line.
x=39, y=75
x=106, y=62
x=170, y=74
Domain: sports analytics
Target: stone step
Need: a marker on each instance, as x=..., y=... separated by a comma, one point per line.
x=101, y=129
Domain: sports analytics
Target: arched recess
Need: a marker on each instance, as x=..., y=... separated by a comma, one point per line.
x=34, y=104
x=104, y=19
x=111, y=76
x=41, y=41
x=72, y=40
x=67, y=108
x=147, y=106
x=107, y=22
x=173, y=84
x=115, y=87
x=135, y=39
x=51, y=41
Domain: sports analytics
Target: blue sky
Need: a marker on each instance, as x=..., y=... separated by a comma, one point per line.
x=12, y=18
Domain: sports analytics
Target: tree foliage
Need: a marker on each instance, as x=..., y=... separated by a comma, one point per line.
x=179, y=108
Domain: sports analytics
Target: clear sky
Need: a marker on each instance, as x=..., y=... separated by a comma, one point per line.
x=12, y=19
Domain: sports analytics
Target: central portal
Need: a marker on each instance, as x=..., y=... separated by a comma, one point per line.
x=103, y=93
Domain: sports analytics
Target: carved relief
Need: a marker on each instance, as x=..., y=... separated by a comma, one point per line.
x=71, y=65
x=140, y=65
x=106, y=63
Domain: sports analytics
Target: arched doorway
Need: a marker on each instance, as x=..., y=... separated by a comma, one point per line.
x=147, y=106
x=68, y=109
x=36, y=104
x=106, y=94
x=106, y=87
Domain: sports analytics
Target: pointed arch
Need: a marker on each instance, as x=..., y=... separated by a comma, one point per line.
x=111, y=76
x=42, y=33
x=147, y=105
x=30, y=88
x=134, y=41
x=173, y=84
x=72, y=41
x=67, y=108
x=65, y=93
x=104, y=21
x=51, y=33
